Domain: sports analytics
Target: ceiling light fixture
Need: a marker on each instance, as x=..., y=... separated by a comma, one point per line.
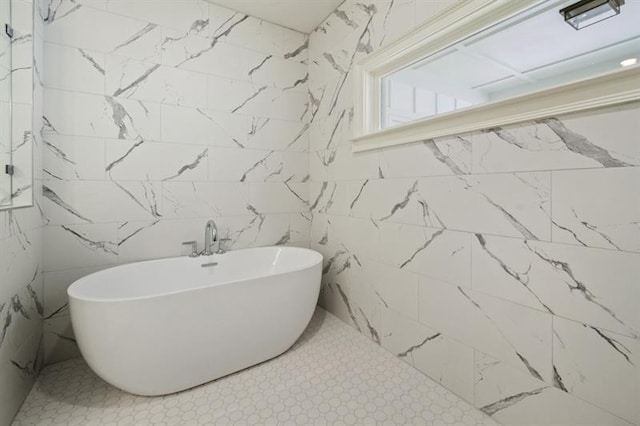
x=629, y=62
x=588, y=12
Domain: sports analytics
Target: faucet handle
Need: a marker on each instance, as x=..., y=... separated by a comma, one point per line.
x=194, y=247
x=220, y=249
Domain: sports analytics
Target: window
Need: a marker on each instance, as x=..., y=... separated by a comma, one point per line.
x=487, y=63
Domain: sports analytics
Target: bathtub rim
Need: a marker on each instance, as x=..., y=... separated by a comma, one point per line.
x=314, y=253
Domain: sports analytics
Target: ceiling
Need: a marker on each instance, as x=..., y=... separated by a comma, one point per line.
x=299, y=15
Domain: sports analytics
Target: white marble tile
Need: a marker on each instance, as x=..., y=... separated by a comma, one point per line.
x=203, y=199
x=612, y=129
x=73, y=158
x=318, y=162
x=156, y=161
x=487, y=324
x=552, y=144
x=446, y=156
x=196, y=53
x=342, y=164
x=59, y=340
x=594, y=286
x=73, y=68
x=80, y=114
x=378, y=285
x=240, y=231
x=82, y=202
x=93, y=29
x=280, y=135
x=444, y=360
x=515, y=398
x=182, y=15
x=247, y=165
x=437, y=253
x=241, y=97
x=79, y=246
x=347, y=19
x=588, y=212
x=392, y=21
x=278, y=197
x=17, y=380
x=386, y=200
x=259, y=35
x=398, y=290
x=359, y=237
x=202, y=126
x=296, y=45
x=300, y=228
x=21, y=259
x=293, y=104
x=334, y=130
x=331, y=197
x=55, y=289
x=516, y=205
x=146, y=81
x=579, y=354
x=277, y=72
x=256, y=230
x=139, y=240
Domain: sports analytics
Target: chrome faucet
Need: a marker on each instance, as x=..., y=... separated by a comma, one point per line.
x=211, y=242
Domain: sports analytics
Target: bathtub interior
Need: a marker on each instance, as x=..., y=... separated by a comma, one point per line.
x=166, y=276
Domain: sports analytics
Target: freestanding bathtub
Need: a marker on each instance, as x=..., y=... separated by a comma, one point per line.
x=161, y=326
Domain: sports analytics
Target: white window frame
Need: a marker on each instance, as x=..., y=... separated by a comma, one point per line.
x=454, y=24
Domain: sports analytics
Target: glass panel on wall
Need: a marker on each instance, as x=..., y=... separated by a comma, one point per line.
x=531, y=51
x=5, y=102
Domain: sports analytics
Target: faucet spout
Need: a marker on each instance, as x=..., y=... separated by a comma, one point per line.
x=211, y=242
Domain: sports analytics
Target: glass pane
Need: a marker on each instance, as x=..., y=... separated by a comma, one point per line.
x=5, y=103
x=531, y=51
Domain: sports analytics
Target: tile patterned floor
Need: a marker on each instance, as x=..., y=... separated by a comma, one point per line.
x=332, y=375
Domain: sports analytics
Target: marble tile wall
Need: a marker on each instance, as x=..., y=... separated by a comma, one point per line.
x=21, y=263
x=158, y=118
x=504, y=264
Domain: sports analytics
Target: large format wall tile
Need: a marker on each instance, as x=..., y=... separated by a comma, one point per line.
x=146, y=81
x=551, y=144
x=442, y=157
x=579, y=353
x=436, y=355
x=80, y=114
x=437, y=253
x=203, y=127
x=64, y=63
x=587, y=212
x=516, y=205
x=158, y=119
x=73, y=158
x=515, y=398
x=516, y=227
x=21, y=239
x=594, y=286
x=486, y=323
x=88, y=28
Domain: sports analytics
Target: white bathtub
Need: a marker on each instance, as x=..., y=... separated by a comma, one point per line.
x=158, y=327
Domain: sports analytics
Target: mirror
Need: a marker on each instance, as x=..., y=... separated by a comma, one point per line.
x=5, y=104
x=488, y=63
x=533, y=50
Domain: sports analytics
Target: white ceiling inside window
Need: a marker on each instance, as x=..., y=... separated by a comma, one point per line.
x=533, y=50
x=300, y=15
